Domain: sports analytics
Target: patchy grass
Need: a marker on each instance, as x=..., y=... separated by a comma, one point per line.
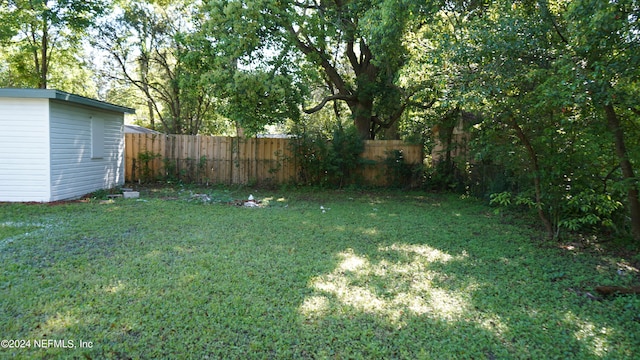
x=377, y=275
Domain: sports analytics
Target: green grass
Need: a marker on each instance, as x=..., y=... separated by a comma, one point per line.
x=377, y=275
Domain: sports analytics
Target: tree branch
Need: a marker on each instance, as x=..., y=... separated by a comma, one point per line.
x=353, y=59
x=138, y=84
x=329, y=69
x=545, y=9
x=324, y=101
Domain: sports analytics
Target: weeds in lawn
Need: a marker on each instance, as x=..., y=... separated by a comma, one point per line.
x=380, y=275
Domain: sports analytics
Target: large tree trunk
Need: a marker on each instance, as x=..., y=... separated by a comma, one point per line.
x=627, y=170
x=363, y=125
x=393, y=132
x=361, y=111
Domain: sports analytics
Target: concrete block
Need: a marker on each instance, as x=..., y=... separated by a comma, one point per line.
x=131, y=194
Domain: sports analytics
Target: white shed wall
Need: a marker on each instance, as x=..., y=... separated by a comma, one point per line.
x=24, y=149
x=73, y=170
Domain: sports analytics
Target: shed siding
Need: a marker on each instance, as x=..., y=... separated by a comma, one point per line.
x=24, y=150
x=73, y=170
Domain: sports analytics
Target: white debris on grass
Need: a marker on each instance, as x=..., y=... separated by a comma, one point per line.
x=251, y=202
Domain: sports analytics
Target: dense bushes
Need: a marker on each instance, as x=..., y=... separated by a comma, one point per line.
x=329, y=162
x=574, y=186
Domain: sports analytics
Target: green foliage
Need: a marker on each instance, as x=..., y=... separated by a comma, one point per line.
x=329, y=162
x=43, y=38
x=399, y=173
x=255, y=99
x=171, y=173
x=354, y=51
x=151, y=58
x=553, y=85
x=590, y=209
x=542, y=73
x=145, y=158
x=183, y=171
x=586, y=211
x=503, y=199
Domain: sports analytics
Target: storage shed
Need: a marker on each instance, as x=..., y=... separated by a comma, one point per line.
x=58, y=146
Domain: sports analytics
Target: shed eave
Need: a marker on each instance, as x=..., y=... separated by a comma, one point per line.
x=64, y=96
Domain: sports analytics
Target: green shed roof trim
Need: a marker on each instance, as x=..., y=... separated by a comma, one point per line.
x=63, y=96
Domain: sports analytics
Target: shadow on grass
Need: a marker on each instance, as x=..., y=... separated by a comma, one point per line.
x=366, y=279
x=414, y=300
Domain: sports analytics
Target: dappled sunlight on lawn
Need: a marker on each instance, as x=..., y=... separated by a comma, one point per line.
x=390, y=289
x=391, y=279
x=426, y=253
x=115, y=287
x=370, y=232
x=57, y=323
x=315, y=306
x=596, y=339
x=405, y=285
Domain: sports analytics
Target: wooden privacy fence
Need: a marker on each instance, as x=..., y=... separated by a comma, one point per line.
x=233, y=160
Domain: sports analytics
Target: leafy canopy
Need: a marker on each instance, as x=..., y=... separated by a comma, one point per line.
x=355, y=48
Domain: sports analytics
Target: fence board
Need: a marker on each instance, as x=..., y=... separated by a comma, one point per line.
x=233, y=160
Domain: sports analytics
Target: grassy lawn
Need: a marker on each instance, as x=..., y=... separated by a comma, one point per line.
x=376, y=275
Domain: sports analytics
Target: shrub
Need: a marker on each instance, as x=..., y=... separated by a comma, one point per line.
x=400, y=173
x=146, y=171
x=329, y=162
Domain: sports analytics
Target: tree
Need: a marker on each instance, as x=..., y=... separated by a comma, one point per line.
x=43, y=32
x=356, y=47
x=553, y=76
x=605, y=40
x=145, y=43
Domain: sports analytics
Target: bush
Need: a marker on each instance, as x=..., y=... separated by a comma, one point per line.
x=329, y=162
x=145, y=158
x=401, y=174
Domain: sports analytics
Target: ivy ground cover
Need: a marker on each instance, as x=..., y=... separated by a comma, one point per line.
x=308, y=275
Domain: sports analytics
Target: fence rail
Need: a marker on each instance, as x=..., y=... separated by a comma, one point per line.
x=233, y=160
